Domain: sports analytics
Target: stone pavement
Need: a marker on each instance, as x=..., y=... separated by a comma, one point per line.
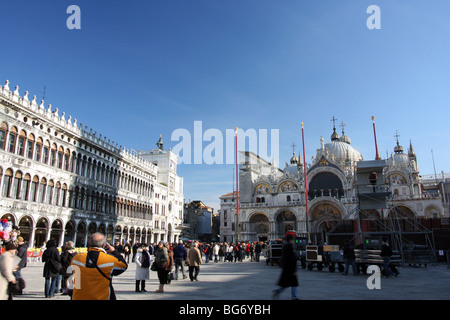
x=255, y=281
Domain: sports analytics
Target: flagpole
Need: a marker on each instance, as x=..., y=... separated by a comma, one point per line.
x=377, y=154
x=306, y=187
x=237, y=188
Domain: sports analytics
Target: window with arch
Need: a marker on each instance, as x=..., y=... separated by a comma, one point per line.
x=3, y=134
x=7, y=182
x=64, y=195
x=67, y=160
x=26, y=187
x=30, y=146
x=78, y=169
x=83, y=166
x=38, y=154
x=82, y=198
x=57, y=193
x=60, y=157
x=53, y=155
x=88, y=168
x=50, y=188
x=46, y=152
x=76, y=198
x=17, y=185
x=12, y=140
x=22, y=142
x=73, y=164
x=34, y=189
x=42, y=190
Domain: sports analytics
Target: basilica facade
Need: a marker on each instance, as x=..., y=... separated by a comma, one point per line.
x=62, y=181
x=273, y=200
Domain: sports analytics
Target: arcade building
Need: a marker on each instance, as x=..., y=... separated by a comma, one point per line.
x=64, y=181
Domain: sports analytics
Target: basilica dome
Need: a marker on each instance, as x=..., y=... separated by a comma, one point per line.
x=399, y=159
x=342, y=151
x=339, y=150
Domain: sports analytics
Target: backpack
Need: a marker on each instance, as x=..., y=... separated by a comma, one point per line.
x=145, y=260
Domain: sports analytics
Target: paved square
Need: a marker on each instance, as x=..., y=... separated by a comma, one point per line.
x=255, y=281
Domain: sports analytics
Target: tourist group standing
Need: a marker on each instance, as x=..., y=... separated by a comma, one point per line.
x=101, y=262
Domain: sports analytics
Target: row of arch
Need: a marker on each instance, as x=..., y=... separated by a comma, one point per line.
x=48, y=153
x=321, y=184
x=323, y=217
x=20, y=186
x=36, y=233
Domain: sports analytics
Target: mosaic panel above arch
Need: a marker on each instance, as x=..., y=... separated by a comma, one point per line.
x=262, y=188
x=288, y=186
x=397, y=178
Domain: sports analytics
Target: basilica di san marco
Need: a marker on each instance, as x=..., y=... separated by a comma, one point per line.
x=346, y=198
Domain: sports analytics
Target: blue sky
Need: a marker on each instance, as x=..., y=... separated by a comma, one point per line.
x=138, y=69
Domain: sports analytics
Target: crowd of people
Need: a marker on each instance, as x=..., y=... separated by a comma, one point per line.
x=170, y=261
x=88, y=275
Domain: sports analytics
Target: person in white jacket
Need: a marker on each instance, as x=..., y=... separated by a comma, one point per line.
x=216, y=249
x=143, y=262
x=8, y=263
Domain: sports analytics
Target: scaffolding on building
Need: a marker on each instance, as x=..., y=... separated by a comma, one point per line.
x=399, y=228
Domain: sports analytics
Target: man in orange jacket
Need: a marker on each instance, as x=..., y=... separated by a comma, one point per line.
x=93, y=271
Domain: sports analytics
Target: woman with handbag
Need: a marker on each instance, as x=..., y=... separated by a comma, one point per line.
x=52, y=267
x=143, y=261
x=161, y=262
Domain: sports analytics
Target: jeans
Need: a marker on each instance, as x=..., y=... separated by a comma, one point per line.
x=387, y=269
x=58, y=283
x=50, y=287
x=351, y=262
x=179, y=263
x=294, y=295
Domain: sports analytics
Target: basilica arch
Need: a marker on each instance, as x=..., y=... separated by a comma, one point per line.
x=325, y=184
x=324, y=215
x=285, y=220
x=259, y=224
x=432, y=211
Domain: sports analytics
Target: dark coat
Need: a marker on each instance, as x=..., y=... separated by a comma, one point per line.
x=180, y=252
x=66, y=259
x=349, y=252
x=50, y=256
x=288, y=276
x=386, y=251
x=22, y=254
